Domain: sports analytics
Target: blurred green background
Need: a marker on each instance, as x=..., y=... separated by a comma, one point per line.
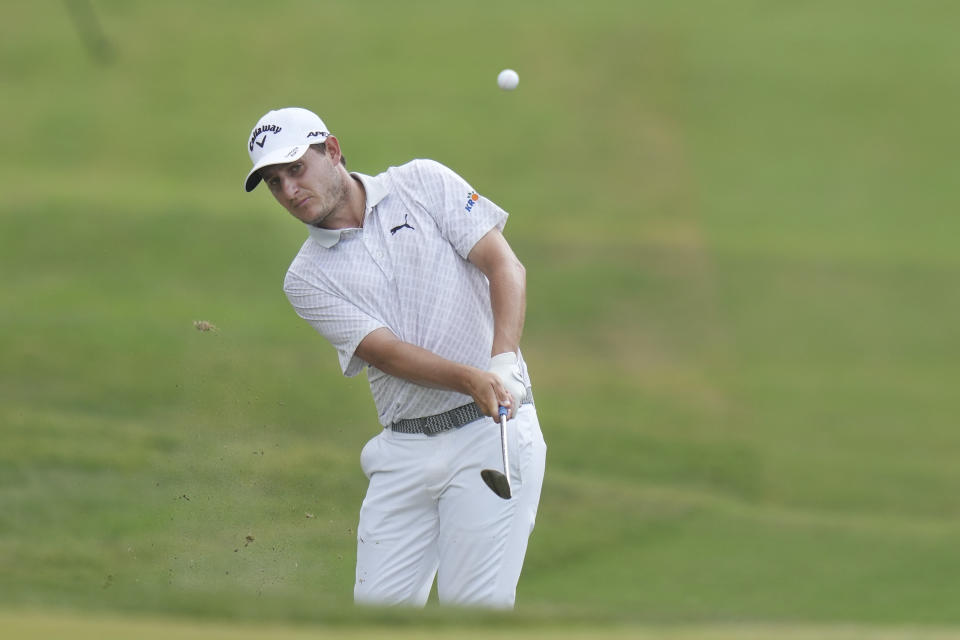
x=739, y=224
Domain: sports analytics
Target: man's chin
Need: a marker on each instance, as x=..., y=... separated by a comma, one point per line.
x=319, y=224
x=315, y=220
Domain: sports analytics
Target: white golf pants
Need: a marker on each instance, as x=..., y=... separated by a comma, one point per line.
x=428, y=513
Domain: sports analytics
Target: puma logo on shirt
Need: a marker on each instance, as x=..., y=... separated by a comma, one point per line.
x=401, y=226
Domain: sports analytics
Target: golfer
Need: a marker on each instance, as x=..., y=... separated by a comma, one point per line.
x=408, y=275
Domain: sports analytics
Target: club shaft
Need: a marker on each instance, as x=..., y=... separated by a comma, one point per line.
x=503, y=447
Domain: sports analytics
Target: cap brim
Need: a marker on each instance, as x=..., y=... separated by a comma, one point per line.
x=280, y=156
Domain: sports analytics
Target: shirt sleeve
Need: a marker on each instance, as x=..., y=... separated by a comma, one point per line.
x=463, y=215
x=339, y=321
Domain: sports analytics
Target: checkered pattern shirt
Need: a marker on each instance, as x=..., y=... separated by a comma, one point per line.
x=406, y=269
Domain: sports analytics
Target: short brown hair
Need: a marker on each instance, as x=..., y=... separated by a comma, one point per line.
x=322, y=148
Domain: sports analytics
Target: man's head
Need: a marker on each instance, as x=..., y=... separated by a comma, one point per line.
x=282, y=136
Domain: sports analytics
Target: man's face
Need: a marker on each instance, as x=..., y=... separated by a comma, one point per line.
x=310, y=188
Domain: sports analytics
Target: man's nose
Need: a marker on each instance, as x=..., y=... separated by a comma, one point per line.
x=290, y=187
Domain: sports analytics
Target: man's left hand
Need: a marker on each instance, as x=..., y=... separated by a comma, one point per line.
x=507, y=367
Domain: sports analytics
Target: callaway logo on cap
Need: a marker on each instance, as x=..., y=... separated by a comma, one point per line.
x=282, y=136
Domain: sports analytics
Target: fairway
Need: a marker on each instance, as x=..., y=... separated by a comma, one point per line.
x=44, y=627
x=738, y=222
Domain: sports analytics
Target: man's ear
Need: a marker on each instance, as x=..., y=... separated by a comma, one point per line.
x=333, y=149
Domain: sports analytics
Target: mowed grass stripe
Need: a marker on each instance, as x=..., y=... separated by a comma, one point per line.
x=48, y=626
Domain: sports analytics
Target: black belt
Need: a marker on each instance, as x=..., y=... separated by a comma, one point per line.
x=432, y=425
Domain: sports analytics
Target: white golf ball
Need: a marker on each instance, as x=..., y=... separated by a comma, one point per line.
x=508, y=79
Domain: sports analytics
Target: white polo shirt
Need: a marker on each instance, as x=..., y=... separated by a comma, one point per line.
x=406, y=269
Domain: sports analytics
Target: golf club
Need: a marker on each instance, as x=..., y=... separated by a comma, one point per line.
x=499, y=482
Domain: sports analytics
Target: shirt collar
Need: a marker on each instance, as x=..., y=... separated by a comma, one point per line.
x=375, y=190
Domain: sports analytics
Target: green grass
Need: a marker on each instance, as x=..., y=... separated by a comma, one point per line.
x=33, y=626
x=737, y=220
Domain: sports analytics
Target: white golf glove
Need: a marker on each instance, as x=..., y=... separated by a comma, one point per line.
x=506, y=366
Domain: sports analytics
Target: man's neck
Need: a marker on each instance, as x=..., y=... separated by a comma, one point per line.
x=353, y=209
x=356, y=187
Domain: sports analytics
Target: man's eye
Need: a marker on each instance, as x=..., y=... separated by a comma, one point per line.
x=296, y=167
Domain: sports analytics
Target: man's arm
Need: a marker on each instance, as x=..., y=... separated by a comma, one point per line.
x=508, y=289
x=508, y=301
x=385, y=351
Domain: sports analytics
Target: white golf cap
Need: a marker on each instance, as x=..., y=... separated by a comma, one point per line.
x=282, y=136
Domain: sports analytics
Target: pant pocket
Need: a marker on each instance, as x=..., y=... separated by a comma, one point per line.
x=526, y=447
x=368, y=455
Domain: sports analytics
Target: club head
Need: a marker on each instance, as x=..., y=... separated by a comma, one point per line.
x=497, y=482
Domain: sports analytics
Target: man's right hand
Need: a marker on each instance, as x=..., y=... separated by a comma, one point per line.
x=490, y=394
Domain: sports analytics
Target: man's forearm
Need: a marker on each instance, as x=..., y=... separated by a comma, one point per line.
x=400, y=359
x=508, y=301
x=508, y=289
x=385, y=351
